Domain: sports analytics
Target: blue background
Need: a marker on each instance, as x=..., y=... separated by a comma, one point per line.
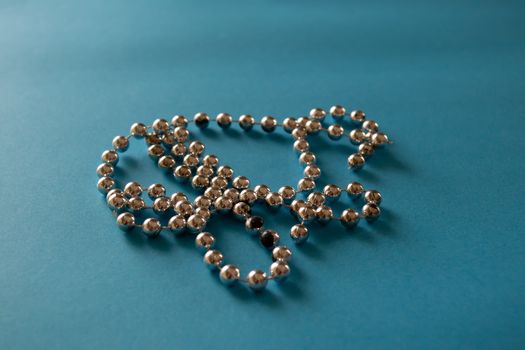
x=443, y=268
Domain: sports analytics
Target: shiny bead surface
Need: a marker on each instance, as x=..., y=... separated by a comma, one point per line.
x=357, y=136
x=269, y=238
x=105, y=184
x=213, y=259
x=151, y=227
x=332, y=192
x=205, y=170
x=281, y=253
x=160, y=126
x=370, y=125
x=224, y=120
x=181, y=134
x=246, y=122
x=256, y=280
x=155, y=151
x=161, y=205
x=301, y=146
x=166, y=162
x=117, y=202
x=156, y=191
x=191, y=160
x=153, y=139
x=178, y=150
x=371, y=212
x=182, y=173
x=202, y=202
x=366, y=149
x=254, y=224
x=335, y=132
x=105, y=169
x=133, y=189
x=202, y=120
x=229, y=274
x=349, y=218
x=204, y=241
x=196, y=148
x=324, y=213
x=232, y=194
x=318, y=113
x=306, y=185
x=313, y=126
x=112, y=192
x=120, y=143
x=312, y=171
x=301, y=122
x=357, y=116
x=262, y=191
x=210, y=160
x=316, y=198
x=287, y=193
x=379, y=139
x=279, y=270
x=248, y=196
x=213, y=193
x=356, y=161
x=168, y=139
x=289, y=124
x=241, y=182
x=241, y=210
x=354, y=190
x=307, y=158
x=195, y=223
x=126, y=221
x=177, y=197
x=299, y=233
x=373, y=196
x=268, y=123
x=200, y=182
x=204, y=213
x=184, y=208
x=179, y=120
x=110, y=156
x=274, y=200
x=138, y=130
x=177, y=224
x=306, y=214
x=136, y=204
x=225, y=171
x=337, y=112
x=297, y=204
x=223, y=204
x=219, y=182
x=299, y=132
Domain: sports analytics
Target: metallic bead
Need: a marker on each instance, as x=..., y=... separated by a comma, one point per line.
x=181, y=134
x=356, y=161
x=299, y=233
x=256, y=280
x=268, y=123
x=324, y=213
x=202, y=202
x=354, y=190
x=210, y=160
x=126, y=221
x=366, y=149
x=254, y=224
x=219, y=182
x=195, y=223
x=373, y=196
x=156, y=191
x=179, y=120
x=213, y=259
x=357, y=116
x=182, y=173
x=151, y=227
x=153, y=139
x=306, y=214
x=232, y=194
x=177, y=224
x=313, y=126
x=371, y=211
x=112, y=192
x=357, y=136
x=289, y=124
x=178, y=150
x=121, y=143
x=246, y=122
x=241, y=182
x=105, y=184
x=168, y=139
x=110, y=156
x=349, y=218
x=204, y=213
x=229, y=274
x=306, y=185
x=274, y=200
x=337, y=111
x=296, y=205
x=223, y=204
x=318, y=113
x=301, y=121
x=196, y=148
x=248, y=196
x=155, y=151
x=307, y=158
x=225, y=171
x=316, y=199
x=370, y=125
x=184, y=208
x=379, y=139
x=332, y=192
x=136, y=204
x=133, y=189
x=166, y=162
x=299, y=133
x=200, y=182
x=138, y=130
x=104, y=169
x=269, y=238
x=177, y=197
x=117, y=202
x=202, y=120
x=301, y=146
x=281, y=253
x=241, y=210
x=160, y=126
x=213, y=193
x=191, y=160
x=204, y=241
x=224, y=120
x=161, y=205
x=205, y=170
x=279, y=270
x=335, y=132
x=312, y=171
x=288, y=194
x=262, y=191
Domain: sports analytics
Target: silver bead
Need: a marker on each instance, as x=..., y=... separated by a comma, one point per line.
x=248, y=196
x=246, y=122
x=204, y=241
x=299, y=233
x=156, y=191
x=349, y=218
x=241, y=182
x=379, y=139
x=177, y=224
x=357, y=116
x=371, y=212
x=126, y=221
x=168, y=139
x=213, y=193
x=232, y=194
x=356, y=161
x=254, y=224
x=318, y=113
x=181, y=134
x=196, y=148
x=370, y=125
x=200, y=182
x=279, y=270
x=354, y=190
x=160, y=126
x=121, y=143
x=306, y=214
x=366, y=149
x=210, y=160
x=274, y=200
x=312, y=171
x=205, y=170
x=288, y=194
x=112, y=192
x=306, y=185
x=138, y=130
x=155, y=151
x=241, y=210
x=183, y=208
x=105, y=184
x=177, y=197
x=299, y=132
x=301, y=121
x=224, y=120
x=161, y=205
x=262, y=191
x=195, y=223
x=225, y=171
x=335, y=132
x=373, y=196
x=136, y=204
x=219, y=182
x=281, y=253
x=204, y=213
x=324, y=213
x=151, y=227
x=256, y=280
x=307, y=158
x=313, y=126
x=357, y=136
x=202, y=120
x=301, y=146
x=110, y=156
x=133, y=189
x=166, y=162
x=105, y=169
x=153, y=139
x=191, y=160
x=202, y=202
x=337, y=112
x=289, y=124
x=269, y=238
x=296, y=205
x=332, y=192
x=178, y=150
x=179, y=120
x=213, y=259
x=229, y=274
x=182, y=173
x=268, y=123
x=223, y=205
x=117, y=202
x=316, y=199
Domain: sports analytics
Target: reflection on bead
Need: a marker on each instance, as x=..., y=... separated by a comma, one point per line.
x=177, y=197
x=177, y=224
x=160, y=126
x=223, y=205
x=257, y=280
x=379, y=139
x=261, y=191
x=299, y=132
x=153, y=139
x=161, y=205
x=204, y=241
x=306, y=185
x=136, y=204
x=337, y=112
x=120, y=143
x=349, y=218
x=213, y=259
x=104, y=169
x=151, y=227
x=357, y=136
x=204, y=213
x=205, y=170
x=224, y=120
x=229, y=274
x=133, y=189
x=105, y=184
x=191, y=160
x=370, y=125
x=307, y=158
x=248, y=196
x=117, y=202
x=324, y=213
x=182, y=173
x=200, y=182
x=166, y=162
x=316, y=199
x=110, y=156
x=332, y=192
x=168, y=139
x=299, y=233
x=289, y=124
x=356, y=161
x=313, y=126
x=357, y=116
x=373, y=196
x=268, y=123
x=335, y=132
x=112, y=192
x=155, y=151
x=296, y=205
x=312, y=171
x=246, y=122
x=232, y=194
x=281, y=253
x=196, y=148
x=138, y=130
x=366, y=149
x=225, y=171
x=178, y=150
x=126, y=221
x=241, y=182
x=287, y=193
x=219, y=182
x=210, y=160
x=241, y=210
x=254, y=223
x=156, y=191
x=179, y=120
x=301, y=146
x=202, y=202
x=269, y=238
x=317, y=113
x=371, y=212
x=181, y=134
x=202, y=120
x=195, y=223
x=274, y=200
x=306, y=214
x=354, y=190
x=184, y=208
x=213, y=193
x=279, y=270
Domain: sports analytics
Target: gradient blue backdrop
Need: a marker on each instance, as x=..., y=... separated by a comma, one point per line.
x=444, y=268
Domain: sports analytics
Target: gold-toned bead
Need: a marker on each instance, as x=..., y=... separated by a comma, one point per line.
x=337, y=111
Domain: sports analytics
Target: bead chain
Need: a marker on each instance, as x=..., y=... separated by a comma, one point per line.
x=223, y=194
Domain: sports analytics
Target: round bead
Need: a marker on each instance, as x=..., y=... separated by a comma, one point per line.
x=335, y=132
x=268, y=123
x=318, y=113
x=138, y=130
x=324, y=213
x=229, y=274
x=178, y=150
x=301, y=146
x=202, y=120
x=219, y=182
x=349, y=218
x=160, y=126
x=205, y=170
x=210, y=160
x=110, y=156
x=177, y=197
x=289, y=124
x=204, y=241
x=274, y=200
x=112, y=192
x=191, y=160
x=332, y=192
x=241, y=182
x=370, y=125
x=357, y=116
x=312, y=171
x=195, y=223
x=371, y=212
x=379, y=139
x=151, y=227
x=200, y=182
x=232, y=194
x=288, y=194
x=299, y=233
x=281, y=253
x=153, y=139
x=313, y=126
x=299, y=133
x=179, y=120
x=224, y=120
x=306, y=214
x=248, y=196
x=337, y=111
x=356, y=161
x=256, y=280
x=307, y=158
x=357, y=136
x=373, y=196
x=316, y=199
x=117, y=202
x=366, y=149
x=301, y=121
x=183, y=208
x=254, y=224
x=161, y=205
x=213, y=193
x=177, y=224
x=136, y=204
x=269, y=238
x=104, y=169
x=133, y=189
x=126, y=221
x=223, y=204
x=204, y=213
x=241, y=210
x=166, y=162
x=279, y=270
x=156, y=191
x=196, y=148
x=202, y=202
x=181, y=134
x=262, y=191
x=306, y=185
x=182, y=173
x=105, y=184
x=246, y=122
x=354, y=190
x=296, y=205
x=169, y=139
x=121, y=143
x=155, y=151
x=225, y=171
x=213, y=259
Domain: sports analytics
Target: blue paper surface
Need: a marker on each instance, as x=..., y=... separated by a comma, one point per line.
x=444, y=266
